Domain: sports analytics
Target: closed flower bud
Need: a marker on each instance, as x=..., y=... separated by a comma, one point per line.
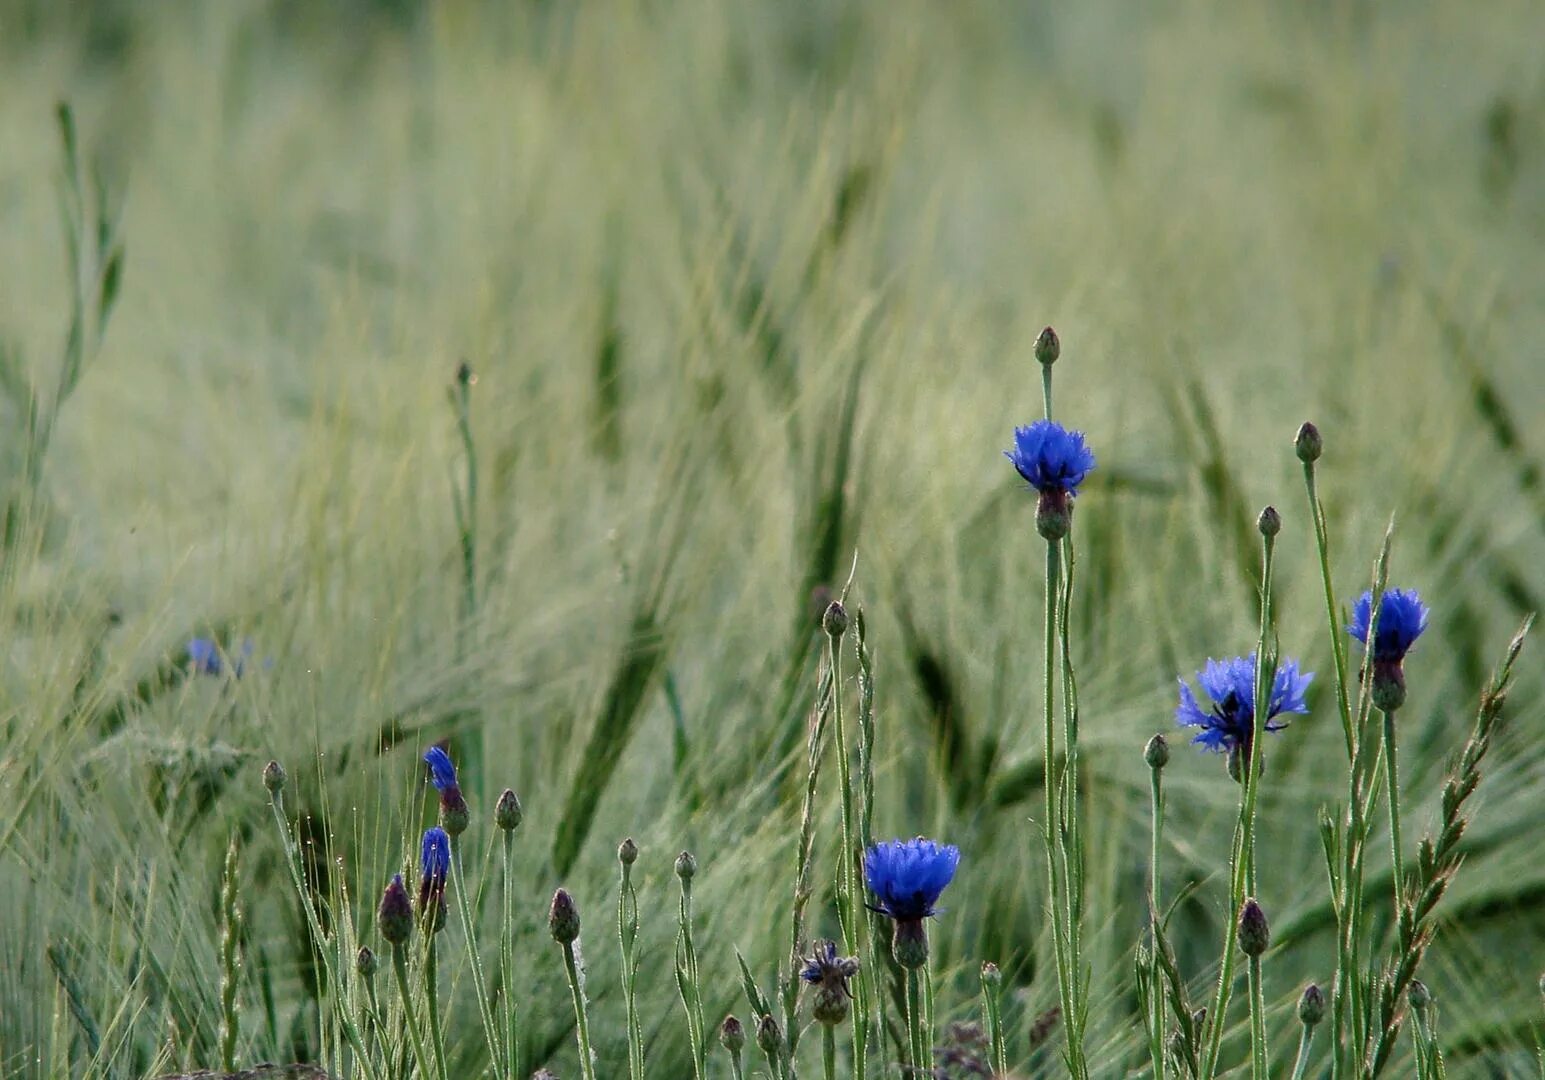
x=627, y=852
x=1254, y=934
x=394, y=918
x=731, y=1035
x=274, y=777
x=1421, y=997
x=1156, y=753
x=1311, y=1005
x=1307, y=444
x=991, y=976
x=507, y=812
x=769, y=1036
x=365, y=962
x=1047, y=346
x=1269, y=523
x=563, y=918
x=454, y=814
x=909, y=943
x=835, y=620
x=686, y=866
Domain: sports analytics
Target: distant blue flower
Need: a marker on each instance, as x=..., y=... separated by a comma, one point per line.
x=1230, y=684
x=205, y=658
x=442, y=771
x=1402, y=618
x=1050, y=457
x=907, y=876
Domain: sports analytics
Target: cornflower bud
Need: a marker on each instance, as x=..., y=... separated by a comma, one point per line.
x=991, y=976
x=1254, y=934
x=365, y=962
x=1307, y=444
x=1311, y=1006
x=1047, y=347
x=507, y=812
x=1269, y=524
x=563, y=918
x=395, y=915
x=1156, y=753
x=274, y=777
x=769, y=1036
x=627, y=852
x=731, y=1035
x=686, y=866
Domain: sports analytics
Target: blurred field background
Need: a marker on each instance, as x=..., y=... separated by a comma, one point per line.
x=747, y=288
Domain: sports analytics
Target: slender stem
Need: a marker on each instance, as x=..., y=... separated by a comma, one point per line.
x=688, y=984
x=1258, y=1066
x=1156, y=1005
x=409, y=1017
x=915, y=1024
x=581, y=1018
x=507, y=963
x=1337, y=641
x=1070, y=838
x=432, y=990
x=479, y=985
x=1046, y=387
x=1301, y=1063
x=1049, y=751
x=1392, y=778
x=829, y=1052
x=736, y=1071
x=992, y=1010
x=789, y=986
x=851, y=908
x=627, y=935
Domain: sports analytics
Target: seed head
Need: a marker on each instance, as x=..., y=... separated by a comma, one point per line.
x=627, y=852
x=563, y=918
x=1254, y=934
x=1047, y=346
x=731, y=1035
x=507, y=812
x=686, y=866
x=1156, y=753
x=1307, y=444
x=274, y=777
x=1311, y=1005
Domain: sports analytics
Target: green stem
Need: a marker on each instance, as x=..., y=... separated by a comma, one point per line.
x=829, y=1052
x=851, y=908
x=789, y=986
x=627, y=936
x=432, y=990
x=1258, y=1066
x=1392, y=779
x=409, y=1017
x=1156, y=1005
x=1301, y=1063
x=1049, y=750
x=689, y=985
x=581, y=1018
x=1337, y=641
x=992, y=1011
x=915, y=1025
x=479, y=986
x=507, y=964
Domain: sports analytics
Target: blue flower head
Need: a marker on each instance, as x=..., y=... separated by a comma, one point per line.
x=907, y=876
x=828, y=975
x=205, y=657
x=1051, y=458
x=434, y=865
x=1230, y=686
x=1402, y=618
x=442, y=771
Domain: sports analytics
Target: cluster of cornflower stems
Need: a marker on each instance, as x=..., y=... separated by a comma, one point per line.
x=1370, y=1000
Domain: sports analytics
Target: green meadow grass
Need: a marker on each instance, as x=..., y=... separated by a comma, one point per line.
x=747, y=291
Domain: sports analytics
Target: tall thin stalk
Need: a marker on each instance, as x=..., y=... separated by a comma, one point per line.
x=479, y=985
x=1392, y=779
x=409, y=1013
x=432, y=992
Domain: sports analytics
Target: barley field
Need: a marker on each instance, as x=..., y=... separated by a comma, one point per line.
x=527, y=377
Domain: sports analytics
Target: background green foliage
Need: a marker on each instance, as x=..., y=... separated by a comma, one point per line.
x=747, y=287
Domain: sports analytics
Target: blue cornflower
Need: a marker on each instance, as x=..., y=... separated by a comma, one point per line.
x=906, y=878
x=1054, y=461
x=434, y=866
x=205, y=658
x=1402, y=618
x=454, y=814
x=1230, y=684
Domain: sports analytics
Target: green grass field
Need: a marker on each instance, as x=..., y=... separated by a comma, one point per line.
x=748, y=289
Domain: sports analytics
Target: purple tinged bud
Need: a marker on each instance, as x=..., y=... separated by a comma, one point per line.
x=563, y=918
x=454, y=813
x=835, y=620
x=769, y=1036
x=507, y=812
x=365, y=962
x=1311, y=1006
x=1307, y=444
x=274, y=777
x=732, y=1036
x=1156, y=753
x=1254, y=935
x=1048, y=347
x=909, y=943
x=395, y=915
x=1269, y=524
x=627, y=854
